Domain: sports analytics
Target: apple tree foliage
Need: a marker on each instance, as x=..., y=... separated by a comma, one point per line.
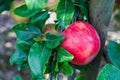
x=5, y=5
x=47, y=56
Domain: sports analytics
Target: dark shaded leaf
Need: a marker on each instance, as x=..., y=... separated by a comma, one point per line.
x=21, y=54
x=37, y=58
x=18, y=57
x=25, y=31
x=66, y=69
x=40, y=18
x=53, y=40
x=24, y=45
x=54, y=69
x=5, y=5
x=84, y=12
x=114, y=52
x=52, y=66
x=81, y=68
x=24, y=12
x=17, y=77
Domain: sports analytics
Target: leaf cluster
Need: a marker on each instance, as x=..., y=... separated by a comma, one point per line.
x=45, y=56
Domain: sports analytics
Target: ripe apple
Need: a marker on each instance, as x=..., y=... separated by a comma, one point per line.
x=82, y=41
x=17, y=18
x=52, y=5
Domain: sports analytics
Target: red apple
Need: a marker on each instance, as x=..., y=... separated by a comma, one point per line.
x=52, y=5
x=82, y=41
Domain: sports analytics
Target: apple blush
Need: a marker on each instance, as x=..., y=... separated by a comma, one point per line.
x=82, y=41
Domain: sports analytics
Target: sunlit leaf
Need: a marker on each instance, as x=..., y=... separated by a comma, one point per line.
x=34, y=5
x=79, y=77
x=65, y=11
x=67, y=69
x=63, y=55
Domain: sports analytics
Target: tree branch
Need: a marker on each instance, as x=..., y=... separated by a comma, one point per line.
x=99, y=15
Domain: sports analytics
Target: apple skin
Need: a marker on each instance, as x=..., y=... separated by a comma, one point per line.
x=82, y=41
x=15, y=4
x=52, y=5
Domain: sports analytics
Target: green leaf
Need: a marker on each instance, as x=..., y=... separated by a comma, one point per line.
x=24, y=12
x=79, y=77
x=17, y=77
x=84, y=12
x=24, y=65
x=53, y=66
x=63, y=55
x=34, y=77
x=66, y=69
x=37, y=58
x=81, y=68
x=53, y=40
x=18, y=57
x=65, y=11
x=54, y=69
x=34, y=5
x=1, y=1
x=109, y=72
x=24, y=45
x=81, y=8
x=40, y=18
x=25, y=31
x=21, y=54
x=5, y=5
x=114, y=52
x=78, y=1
